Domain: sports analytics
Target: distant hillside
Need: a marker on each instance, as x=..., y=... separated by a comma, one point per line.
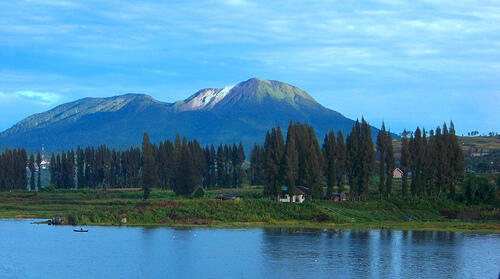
x=242, y=112
x=472, y=146
x=482, y=154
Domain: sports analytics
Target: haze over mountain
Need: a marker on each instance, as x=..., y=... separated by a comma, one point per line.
x=242, y=112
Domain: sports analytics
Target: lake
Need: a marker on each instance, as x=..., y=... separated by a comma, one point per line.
x=42, y=251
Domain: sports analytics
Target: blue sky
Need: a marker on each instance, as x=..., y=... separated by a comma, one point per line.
x=407, y=63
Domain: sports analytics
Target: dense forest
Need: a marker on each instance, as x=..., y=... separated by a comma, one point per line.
x=433, y=161
x=432, y=164
x=181, y=166
x=13, y=174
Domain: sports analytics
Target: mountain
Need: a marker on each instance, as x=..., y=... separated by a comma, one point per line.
x=242, y=112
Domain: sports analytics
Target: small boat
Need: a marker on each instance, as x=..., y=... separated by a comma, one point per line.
x=81, y=230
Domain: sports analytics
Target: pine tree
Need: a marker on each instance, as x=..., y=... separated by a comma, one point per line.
x=240, y=159
x=341, y=155
x=389, y=162
x=31, y=166
x=441, y=162
x=221, y=166
x=185, y=181
x=257, y=165
x=457, y=161
x=162, y=165
x=368, y=157
x=80, y=164
x=212, y=167
x=417, y=149
x=237, y=158
x=274, y=149
x=38, y=163
x=432, y=164
x=381, y=149
x=291, y=162
x=353, y=159
x=53, y=167
x=330, y=159
x=70, y=170
x=314, y=165
x=405, y=163
x=149, y=173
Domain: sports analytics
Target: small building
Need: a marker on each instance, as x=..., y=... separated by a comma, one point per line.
x=44, y=164
x=339, y=197
x=397, y=173
x=300, y=194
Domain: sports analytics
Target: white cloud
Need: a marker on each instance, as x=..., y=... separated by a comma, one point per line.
x=43, y=98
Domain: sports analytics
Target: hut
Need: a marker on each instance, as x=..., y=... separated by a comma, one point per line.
x=397, y=173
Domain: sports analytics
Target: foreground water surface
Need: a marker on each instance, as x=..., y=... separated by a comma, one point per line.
x=42, y=251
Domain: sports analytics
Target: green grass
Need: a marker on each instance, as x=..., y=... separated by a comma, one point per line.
x=163, y=208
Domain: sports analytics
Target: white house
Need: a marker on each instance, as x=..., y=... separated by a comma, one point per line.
x=300, y=194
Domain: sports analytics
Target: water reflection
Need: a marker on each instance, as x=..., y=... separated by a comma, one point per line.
x=373, y=254
x=30, y=251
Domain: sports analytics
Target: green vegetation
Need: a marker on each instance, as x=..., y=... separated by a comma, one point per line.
x=479, y=151
x=180, y=179
x=87, y=207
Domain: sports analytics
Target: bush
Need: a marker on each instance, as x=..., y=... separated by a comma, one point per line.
x=198, y=193
x=478, y=190
x=49, y=188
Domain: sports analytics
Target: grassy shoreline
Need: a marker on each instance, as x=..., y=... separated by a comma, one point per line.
x=164, y=209
x=444, y=226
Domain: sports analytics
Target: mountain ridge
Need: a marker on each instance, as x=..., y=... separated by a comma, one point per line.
x=241, y=112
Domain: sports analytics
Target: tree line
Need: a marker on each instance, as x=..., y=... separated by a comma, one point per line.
x=180, y=165
x=434, y=164
x=300, y=160
x=435, y=161
x=13, y=174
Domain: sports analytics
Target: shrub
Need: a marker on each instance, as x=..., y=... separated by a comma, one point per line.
x=198, y=193
x=49, y=188
x=478, y=190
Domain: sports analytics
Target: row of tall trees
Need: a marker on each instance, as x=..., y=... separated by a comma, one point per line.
x=385, y=153
x=301, y=161
x=62, y=173
x=360, y=159
x=181, y=165
x=298, y=161
x=335, y=154
x=13, y=173
x=432, y=162
x=435, y=161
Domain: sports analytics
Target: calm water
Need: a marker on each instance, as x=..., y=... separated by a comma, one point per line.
x=41, y=251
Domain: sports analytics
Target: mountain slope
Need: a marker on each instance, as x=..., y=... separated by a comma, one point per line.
x=214, y=115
